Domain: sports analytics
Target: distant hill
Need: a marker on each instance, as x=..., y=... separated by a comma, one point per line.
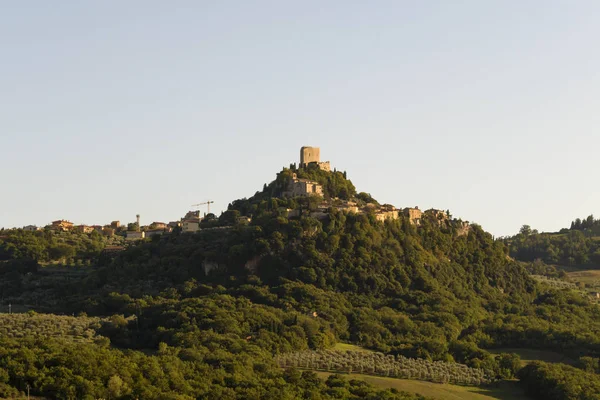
x=577, y=246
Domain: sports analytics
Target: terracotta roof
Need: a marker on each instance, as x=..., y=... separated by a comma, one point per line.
x=114, y=248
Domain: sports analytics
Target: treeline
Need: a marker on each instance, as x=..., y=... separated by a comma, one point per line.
x=52, y=246
x=589, y=225
x=572, y=248
x=543, y=381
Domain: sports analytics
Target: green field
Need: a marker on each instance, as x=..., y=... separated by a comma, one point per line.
x=348, y=347
x=507, y=390
x=529, y=355
x=590, y=277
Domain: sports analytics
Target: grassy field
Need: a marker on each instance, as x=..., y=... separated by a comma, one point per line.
x=349, y=347
x=504, y=391
x=590, y=277
x=529, y=355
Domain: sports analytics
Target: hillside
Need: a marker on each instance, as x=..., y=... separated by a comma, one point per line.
x=202, y=315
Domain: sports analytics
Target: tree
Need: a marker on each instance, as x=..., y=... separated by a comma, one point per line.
x=510, y=364
x=525, y=230
x=115, y=387
x=61, y=252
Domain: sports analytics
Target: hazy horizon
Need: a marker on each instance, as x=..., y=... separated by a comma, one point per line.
x=115, y=109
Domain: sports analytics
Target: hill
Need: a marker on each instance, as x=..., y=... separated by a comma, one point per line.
x=202, y=315
x=578, y=246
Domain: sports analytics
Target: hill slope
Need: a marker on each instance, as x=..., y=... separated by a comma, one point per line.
x=220, y=303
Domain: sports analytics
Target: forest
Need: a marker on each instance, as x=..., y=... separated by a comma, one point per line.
x=577, y=246
x=249, y=311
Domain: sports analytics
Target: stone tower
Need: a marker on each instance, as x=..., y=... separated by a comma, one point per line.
x=309, y=154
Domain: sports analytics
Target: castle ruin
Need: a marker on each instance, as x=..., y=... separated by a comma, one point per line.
x=312, y=155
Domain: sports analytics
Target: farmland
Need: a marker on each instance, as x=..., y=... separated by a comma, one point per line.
x=506, y=390
x=530, y=355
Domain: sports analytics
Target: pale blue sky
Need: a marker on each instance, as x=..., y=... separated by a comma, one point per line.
x=112, y=108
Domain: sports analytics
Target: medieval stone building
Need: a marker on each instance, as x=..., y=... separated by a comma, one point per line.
x=312, y=155
x=414, y=215
x=302, y=187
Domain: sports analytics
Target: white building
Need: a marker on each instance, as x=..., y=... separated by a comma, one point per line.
x=190, y=225
x=135, y=235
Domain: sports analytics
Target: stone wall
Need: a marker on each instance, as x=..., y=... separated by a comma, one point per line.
x=325, y=166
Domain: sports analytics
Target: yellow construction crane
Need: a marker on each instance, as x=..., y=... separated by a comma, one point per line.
x=207, y=203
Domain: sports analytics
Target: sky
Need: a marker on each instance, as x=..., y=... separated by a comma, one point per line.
x=487, y=108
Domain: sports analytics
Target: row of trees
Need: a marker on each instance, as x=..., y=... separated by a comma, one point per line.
x=379, y=364
x=589, y=225
x=48, y=325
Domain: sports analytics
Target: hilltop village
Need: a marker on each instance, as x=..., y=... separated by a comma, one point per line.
x=294, y=187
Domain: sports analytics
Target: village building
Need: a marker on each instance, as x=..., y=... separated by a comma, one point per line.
x=154, y=232
x=31, y=228
x=135, y=235
x=61, y=225
x=414, y=215
x=115, y=224
x=385, y=214
x=349, y=207
x=437, y=214
x=84, y=229
x=302, y=187
x=190, y=225
x=113, y=249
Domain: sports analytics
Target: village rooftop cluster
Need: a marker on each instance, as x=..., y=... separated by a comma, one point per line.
x=133, y=231
x=191, y=222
